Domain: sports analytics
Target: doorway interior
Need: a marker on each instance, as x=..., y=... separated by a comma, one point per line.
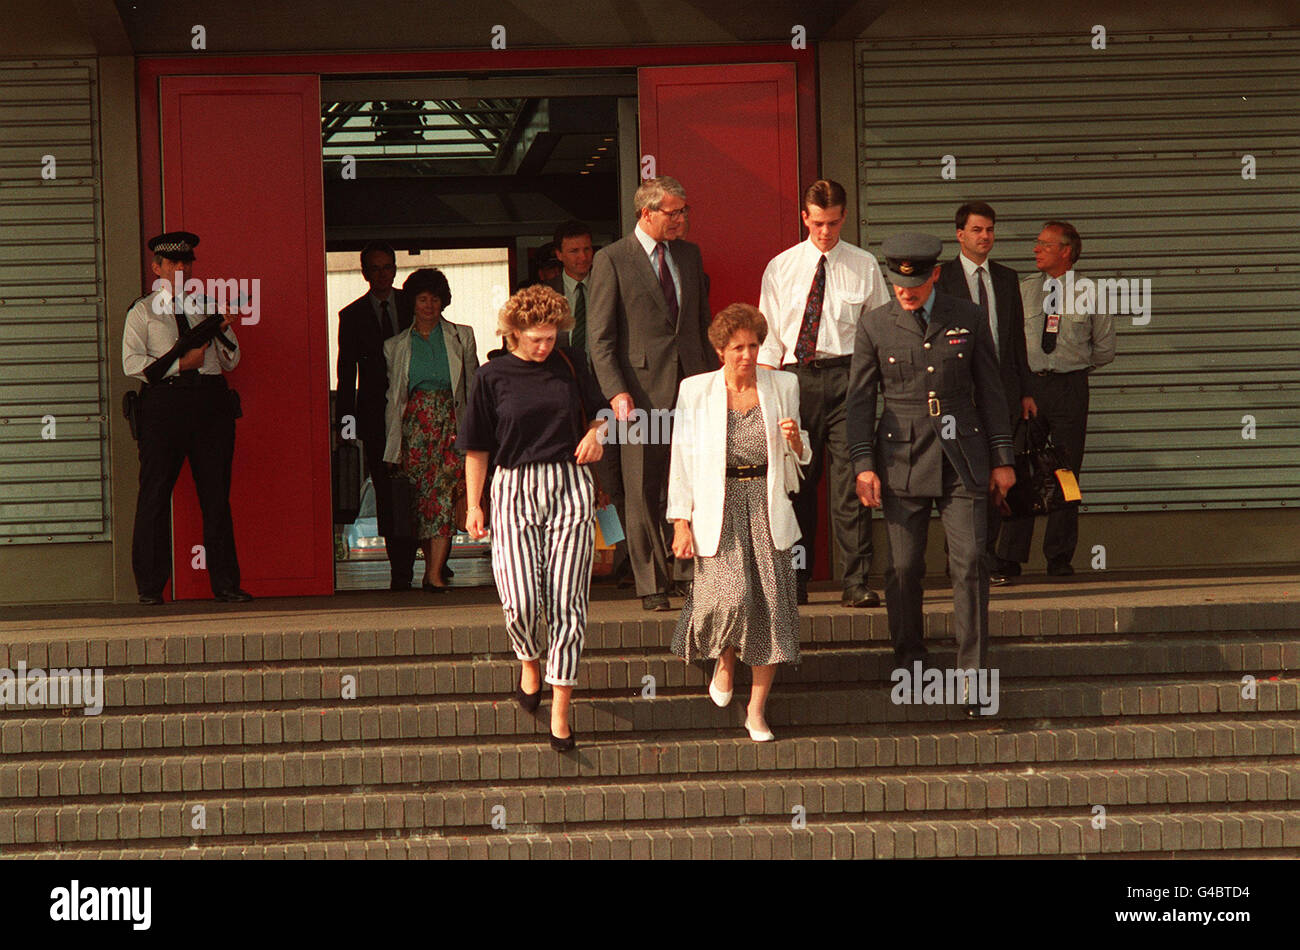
x=470, y=174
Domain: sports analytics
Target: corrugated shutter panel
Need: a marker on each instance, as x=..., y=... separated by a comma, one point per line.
x=52, y=352
x=1140, y=146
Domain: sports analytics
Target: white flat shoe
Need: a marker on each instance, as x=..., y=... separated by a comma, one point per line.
x=718, y=696
x=756, y=735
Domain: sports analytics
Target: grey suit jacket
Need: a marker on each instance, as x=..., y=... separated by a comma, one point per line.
x=943, y=396
x=635, y=347
x=462, y=361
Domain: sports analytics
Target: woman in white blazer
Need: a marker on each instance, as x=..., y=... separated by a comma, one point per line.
x=736, y=449
x=430, y=367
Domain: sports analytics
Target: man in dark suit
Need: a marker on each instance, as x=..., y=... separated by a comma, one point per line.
x=647, y=329
x=969, y=276
x=364, y=325
x=573, y=249
x=944, y=424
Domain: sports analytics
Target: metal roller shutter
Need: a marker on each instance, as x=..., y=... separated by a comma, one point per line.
x=53, y=484
x=1140, y=145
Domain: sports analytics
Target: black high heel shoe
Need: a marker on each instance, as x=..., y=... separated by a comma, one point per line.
x=564, y=745
x=528, y=702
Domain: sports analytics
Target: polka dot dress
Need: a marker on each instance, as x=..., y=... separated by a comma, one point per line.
x=744, y=596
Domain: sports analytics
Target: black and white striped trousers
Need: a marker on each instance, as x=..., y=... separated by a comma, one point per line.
x=543, y=535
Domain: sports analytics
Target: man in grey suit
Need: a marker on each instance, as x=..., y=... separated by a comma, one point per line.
x=972, y=276
x=943, y=422
x=647, y=329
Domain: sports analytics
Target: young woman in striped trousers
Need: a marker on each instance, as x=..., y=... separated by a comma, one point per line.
x=530, y=408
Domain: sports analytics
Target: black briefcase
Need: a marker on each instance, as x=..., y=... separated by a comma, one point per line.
x=398, y=519
x=1044, y=482
x=347, y=482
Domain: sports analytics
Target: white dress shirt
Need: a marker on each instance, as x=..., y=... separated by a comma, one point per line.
x=649, y=244
x=854, y=286
x=969, y=266
x=151, y=331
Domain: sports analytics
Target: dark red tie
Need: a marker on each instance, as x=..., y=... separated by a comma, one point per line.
x=805, y=348
x=666, y=281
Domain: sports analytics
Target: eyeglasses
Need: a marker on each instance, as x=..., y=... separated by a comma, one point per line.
x=676, y=215
x=1038, y=244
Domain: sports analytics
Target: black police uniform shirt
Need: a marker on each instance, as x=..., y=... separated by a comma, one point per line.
x=525, y=412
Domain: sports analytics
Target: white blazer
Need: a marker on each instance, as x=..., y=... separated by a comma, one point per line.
x=698, y=474
x=462, y=360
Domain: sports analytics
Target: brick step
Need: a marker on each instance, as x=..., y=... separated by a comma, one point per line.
x=104, y=650
x=423, y=676
x=541, y=809
x=1192, y=834
x=612, y=713
x=1177, y=743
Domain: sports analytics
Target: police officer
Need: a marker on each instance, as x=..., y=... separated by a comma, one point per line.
x=944, y=421
x=186, y=411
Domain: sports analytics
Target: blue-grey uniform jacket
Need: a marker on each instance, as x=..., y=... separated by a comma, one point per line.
x=942, y=396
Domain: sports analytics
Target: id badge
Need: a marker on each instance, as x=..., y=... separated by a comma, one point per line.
x=1053, y=323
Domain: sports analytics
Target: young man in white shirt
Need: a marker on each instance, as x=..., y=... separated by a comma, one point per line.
x=812, y=296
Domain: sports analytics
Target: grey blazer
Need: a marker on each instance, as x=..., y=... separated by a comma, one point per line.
x=462, y=360
x=635, y=347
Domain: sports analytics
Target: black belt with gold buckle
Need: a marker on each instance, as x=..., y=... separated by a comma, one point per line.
x=746, y=472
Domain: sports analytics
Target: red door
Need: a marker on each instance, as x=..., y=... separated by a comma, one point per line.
x=242, y=169
x=729, y=134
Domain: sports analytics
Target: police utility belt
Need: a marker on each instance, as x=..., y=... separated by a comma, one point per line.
x=185, y=379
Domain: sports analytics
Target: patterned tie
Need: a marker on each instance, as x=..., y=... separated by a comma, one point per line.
x=984, y=294
x=578, y=336
x=805, y=347
x=666, y=281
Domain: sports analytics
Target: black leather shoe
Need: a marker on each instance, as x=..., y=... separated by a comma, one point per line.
x=655, y=602
x=399, y=585
x=432, y=588
x=447, y=572
x=998, y=580
x=235, y=596
x=859, y=597
x=1059, y=568
x=151, y=600
x=1007, y=568
x=563, y=745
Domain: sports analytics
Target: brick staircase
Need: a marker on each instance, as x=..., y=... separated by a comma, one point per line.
x=1137, y=710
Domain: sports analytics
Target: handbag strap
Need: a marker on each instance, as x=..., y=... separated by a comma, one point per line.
x=582, y=407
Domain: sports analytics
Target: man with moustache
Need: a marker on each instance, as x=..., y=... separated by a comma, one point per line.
x=364, y=325
x=943, y=440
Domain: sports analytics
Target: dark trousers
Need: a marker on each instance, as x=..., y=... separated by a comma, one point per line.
x=399, y=540
x=1062, y=400
x=645, y=486
x=822, y=394
x=907, y=518
x=179, y=422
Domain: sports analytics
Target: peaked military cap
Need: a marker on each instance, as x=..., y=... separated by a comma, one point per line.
x=910, y=257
